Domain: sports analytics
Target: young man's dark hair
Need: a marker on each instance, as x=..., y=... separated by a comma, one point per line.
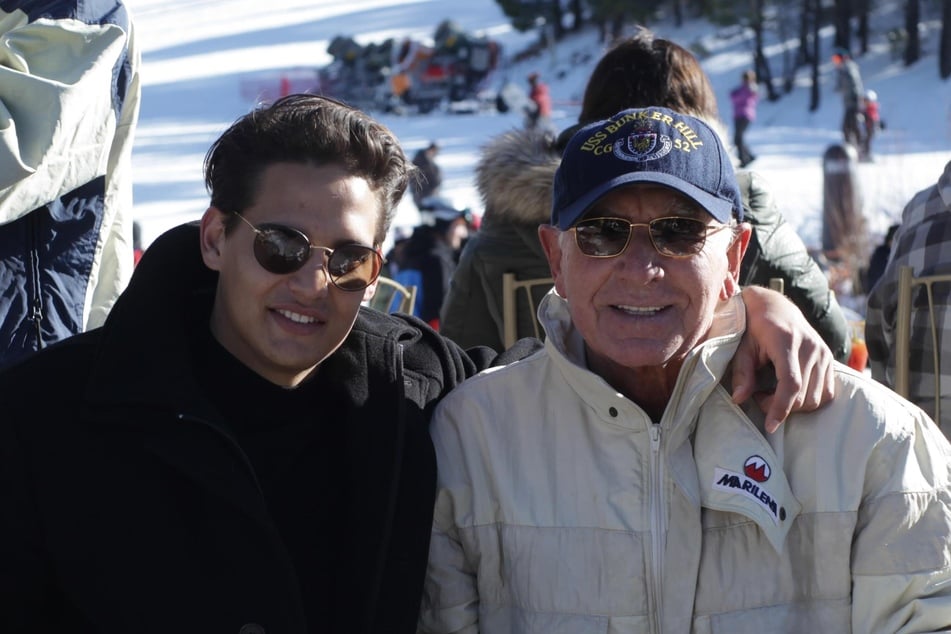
x=310, y=129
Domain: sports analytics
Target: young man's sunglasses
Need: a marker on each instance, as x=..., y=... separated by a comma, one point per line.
x=675, y=237
x=280, y=249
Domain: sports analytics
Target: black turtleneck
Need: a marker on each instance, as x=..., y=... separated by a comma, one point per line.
x=293, y=440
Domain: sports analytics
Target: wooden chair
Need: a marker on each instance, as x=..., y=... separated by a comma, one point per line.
x=393, y=297
x=906, y=284
x=510, y=289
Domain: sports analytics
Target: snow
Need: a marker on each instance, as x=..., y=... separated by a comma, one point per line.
x=206, y=62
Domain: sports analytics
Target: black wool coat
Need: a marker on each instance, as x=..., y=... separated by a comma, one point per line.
x=127, y=506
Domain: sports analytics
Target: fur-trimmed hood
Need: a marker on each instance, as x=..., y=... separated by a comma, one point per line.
x=514, y=176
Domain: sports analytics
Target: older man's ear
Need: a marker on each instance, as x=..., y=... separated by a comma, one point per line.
x=550, y=237
x=734, y=254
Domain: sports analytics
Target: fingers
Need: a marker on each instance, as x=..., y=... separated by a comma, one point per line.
x=805, y=386
x=788, y=395
x=777, y=332
x=818, y=378
x=744, y=371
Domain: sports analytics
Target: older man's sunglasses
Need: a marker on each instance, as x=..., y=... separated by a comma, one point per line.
x=674, y=236
x=280, y=249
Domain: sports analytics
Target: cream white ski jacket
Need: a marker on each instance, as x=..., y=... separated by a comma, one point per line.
x=563, y=509
x=69, y=105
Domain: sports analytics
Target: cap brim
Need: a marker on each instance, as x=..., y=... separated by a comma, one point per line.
x=721, y=210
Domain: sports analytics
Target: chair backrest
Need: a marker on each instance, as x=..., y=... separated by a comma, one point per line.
x=906, y=283
x=510, y=289
x=393, y=297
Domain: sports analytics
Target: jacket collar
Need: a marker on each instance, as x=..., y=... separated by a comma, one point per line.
x=726, y=463
x=143, y=354
x=699, y=375
x=142, y=378
x=143, y=351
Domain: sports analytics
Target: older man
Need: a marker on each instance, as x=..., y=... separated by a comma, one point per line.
x=608, y=483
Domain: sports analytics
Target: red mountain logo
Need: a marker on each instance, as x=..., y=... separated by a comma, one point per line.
x=756, y=468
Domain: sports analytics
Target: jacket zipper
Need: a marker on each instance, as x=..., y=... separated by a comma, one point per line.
x=36, y=301
x=659, y=523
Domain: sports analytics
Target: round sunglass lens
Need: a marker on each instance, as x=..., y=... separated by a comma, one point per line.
x=353, y=268
x=279, y=251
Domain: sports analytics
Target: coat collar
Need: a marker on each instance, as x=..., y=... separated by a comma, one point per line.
x=143, y=355
x=143, y=351
x=142, y=378
x=725, y=462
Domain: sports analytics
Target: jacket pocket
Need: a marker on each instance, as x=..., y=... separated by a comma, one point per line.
x=832, y=617
x=558, y=579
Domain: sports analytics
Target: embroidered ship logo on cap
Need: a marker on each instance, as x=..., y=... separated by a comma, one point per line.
x=642, y=146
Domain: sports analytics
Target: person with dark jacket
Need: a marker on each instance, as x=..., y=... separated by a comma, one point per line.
x=242, y=447
x=514, y=176
x=431, y=254
x=429, y=178
x=848, y=81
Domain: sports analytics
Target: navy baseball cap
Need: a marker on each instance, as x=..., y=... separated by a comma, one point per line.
x=645, y=145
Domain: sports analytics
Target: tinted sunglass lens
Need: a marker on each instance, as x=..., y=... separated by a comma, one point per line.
x=354, y=267
x=602, y=237
x=678, y=236
x=280, y=251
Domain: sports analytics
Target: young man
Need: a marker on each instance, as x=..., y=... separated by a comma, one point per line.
x=608, y=483
x=241, y=447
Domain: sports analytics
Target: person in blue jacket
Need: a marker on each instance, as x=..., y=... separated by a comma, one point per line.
x=69, y=104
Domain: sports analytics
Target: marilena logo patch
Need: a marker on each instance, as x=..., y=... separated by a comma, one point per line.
x=757, y=468
x=741, y=484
